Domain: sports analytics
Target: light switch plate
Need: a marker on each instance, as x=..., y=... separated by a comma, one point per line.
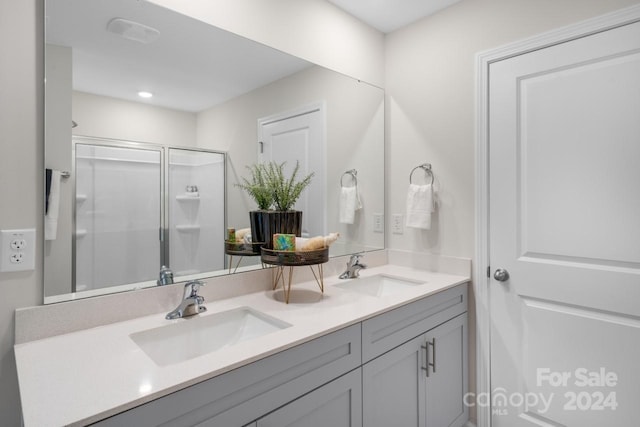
x=17, y=250
x=397, y=223
x=378, y=223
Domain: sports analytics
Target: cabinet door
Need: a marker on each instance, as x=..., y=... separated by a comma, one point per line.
x=447, y=381
x=336, y=404
x=394, y=387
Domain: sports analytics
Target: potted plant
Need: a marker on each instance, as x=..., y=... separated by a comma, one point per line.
x=259, y=191
x=285, y=191
x=269, y=186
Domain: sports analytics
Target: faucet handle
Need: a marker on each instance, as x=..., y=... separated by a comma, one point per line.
x=191, y=288
x=355, y=258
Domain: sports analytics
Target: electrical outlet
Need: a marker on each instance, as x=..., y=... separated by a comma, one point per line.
x=18, y=244
x=17, y=250
x=17, y=258
x=378, y=223
x=397, y=224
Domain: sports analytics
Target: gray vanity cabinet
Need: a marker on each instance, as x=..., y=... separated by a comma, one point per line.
x=337, y=404
x=397, y=390
x=394, y=387
x=447, y=383
x=399, y=347
x=371, y=370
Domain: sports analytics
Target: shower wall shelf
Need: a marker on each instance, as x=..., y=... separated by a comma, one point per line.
x=183, y=198
x=188, y=228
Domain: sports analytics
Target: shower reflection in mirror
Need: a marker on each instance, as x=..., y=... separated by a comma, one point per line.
x=141, y=206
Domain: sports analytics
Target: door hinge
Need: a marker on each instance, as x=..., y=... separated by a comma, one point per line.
x=489, y=271
x=261, y=146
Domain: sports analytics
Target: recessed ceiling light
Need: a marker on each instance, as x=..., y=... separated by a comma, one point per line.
x=143, y=94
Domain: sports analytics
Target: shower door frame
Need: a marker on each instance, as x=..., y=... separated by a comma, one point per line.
x=115, y=143
x=163, y=231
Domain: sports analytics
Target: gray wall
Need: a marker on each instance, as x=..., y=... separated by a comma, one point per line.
x=21, y=173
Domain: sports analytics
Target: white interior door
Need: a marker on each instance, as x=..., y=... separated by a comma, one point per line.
x=564, y=137
x=299, y=137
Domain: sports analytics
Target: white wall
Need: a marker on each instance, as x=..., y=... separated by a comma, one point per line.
x=354, y=117
x=105, y=117
x=430, y=79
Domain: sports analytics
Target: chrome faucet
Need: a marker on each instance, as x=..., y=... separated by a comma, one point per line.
x=191, y=302
x=353, y=267
x=166, y=276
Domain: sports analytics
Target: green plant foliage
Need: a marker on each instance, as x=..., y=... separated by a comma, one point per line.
x=285, y=191
x=258, y=187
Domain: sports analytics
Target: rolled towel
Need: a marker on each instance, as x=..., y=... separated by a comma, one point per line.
x=314, y=243
x=240, y=234
x=419, y=206
x=53, y=207
x=349, y=204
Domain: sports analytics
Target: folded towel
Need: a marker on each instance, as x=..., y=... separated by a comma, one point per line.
x=419, y=206
x=53, y=204
x=349, y=204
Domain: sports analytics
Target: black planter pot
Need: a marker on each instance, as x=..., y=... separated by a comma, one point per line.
x=283, y=222
x=257, y=220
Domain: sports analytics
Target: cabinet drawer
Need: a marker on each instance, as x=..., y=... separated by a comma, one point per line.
x=336, y=404
x=387, y=331
x=245, y=394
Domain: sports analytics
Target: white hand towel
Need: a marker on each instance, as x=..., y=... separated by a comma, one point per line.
x=419, y=206
x=51, y=218
x=349, y=204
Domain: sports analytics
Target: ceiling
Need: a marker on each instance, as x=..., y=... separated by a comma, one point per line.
x=191, y=66
x=390, y=15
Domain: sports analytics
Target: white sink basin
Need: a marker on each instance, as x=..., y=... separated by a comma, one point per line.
x=192, y=337
x=379, y=285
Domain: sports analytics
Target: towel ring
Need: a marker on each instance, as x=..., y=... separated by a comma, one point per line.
x=426, y=167
x=354, y=176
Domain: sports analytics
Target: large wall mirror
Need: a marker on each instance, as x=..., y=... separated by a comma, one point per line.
x=134, y=183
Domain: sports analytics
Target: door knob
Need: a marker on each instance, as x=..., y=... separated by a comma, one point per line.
x=501, y=275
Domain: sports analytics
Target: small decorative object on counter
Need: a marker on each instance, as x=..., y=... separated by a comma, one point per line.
x=315, y=243
x=231, y=234
x=243, y=235
x=284, y=242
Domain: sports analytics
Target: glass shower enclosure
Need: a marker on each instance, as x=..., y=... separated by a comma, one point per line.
x=141, y=206
x=196, y=211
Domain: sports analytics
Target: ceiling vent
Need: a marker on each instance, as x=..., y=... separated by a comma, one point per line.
x=133, y=30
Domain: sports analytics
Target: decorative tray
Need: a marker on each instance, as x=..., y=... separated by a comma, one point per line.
x=242, y=249
x=292, y=259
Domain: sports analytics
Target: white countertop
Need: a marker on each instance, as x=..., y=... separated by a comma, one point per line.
x=82, y=377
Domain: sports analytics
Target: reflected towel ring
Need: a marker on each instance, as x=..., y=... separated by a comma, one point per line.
x=426, y=167
x=354, y=176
